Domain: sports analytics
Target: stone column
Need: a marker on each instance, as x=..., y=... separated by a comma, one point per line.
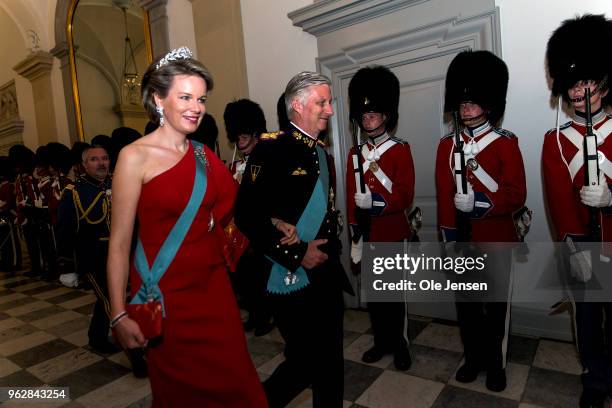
x=60, y=52
x=36, y=68
x=158, y=20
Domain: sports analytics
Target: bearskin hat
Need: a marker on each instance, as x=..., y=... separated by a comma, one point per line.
x=577, y=51
x=7, y=171
x=374, y=89
x=22, y=157
x=77, y=152
x=123, y=136
x=60, y=157
x=243, y=117
x=480, y=77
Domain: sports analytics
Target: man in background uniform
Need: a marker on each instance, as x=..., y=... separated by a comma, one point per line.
x=389, y=190
x=83, y=227
x=476, y=85
x=576, y=62
x=244, y=123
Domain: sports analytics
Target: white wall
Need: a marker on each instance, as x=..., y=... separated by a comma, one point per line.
x=526, y=27
x=275, y=50
x=180, y=28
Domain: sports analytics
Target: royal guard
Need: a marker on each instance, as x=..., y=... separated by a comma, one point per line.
x=10, y=252
x=378, y=211
x=582, y=213
x=43, y=188
x=26, y=195
x=480, y=181
x=60, y=163
x=244, y=123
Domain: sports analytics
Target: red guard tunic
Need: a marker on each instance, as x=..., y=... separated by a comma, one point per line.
x=26, y=196
x=7, y=198
x=390, y=198
x=562, y=166
x=58, y=184
x=498, y=155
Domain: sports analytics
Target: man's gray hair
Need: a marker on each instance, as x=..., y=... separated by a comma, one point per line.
x=297, y=88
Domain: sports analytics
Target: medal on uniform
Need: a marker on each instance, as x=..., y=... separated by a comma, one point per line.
x=373, y=167
x=290, y=279
x=472, y=164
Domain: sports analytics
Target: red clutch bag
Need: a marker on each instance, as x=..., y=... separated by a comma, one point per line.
x=148, y=316
x=235, y=245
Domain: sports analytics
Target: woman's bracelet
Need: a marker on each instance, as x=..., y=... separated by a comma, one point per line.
x=275, y=221
x=117, y=319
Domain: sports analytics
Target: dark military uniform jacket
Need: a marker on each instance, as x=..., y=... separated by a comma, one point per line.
x=278, y=182
x=83, y=225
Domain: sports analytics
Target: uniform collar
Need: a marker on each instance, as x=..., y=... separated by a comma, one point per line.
x=100, y=184
x=597, y=117
x=303, y=131
x=378, y=140
x=478, y=130
x=300, y=135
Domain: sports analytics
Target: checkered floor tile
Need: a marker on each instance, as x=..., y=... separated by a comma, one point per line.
x=43, y=341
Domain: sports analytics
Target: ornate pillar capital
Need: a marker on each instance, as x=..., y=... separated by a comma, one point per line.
x=34, y=66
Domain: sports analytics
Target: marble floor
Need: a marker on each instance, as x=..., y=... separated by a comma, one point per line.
x=43, y=341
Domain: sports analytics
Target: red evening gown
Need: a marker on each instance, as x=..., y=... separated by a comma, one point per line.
x=203, y=359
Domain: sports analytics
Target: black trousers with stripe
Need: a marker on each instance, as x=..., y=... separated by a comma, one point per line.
x=484, y=319
x=92, y=265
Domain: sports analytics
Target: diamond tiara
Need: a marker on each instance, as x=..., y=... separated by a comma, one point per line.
x=174, y=55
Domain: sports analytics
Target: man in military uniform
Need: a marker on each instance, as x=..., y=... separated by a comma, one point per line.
x=83, y=227
x=244, y=123
x=389, y=190
x=576, y=62
x=476, y=85
x=285, y=206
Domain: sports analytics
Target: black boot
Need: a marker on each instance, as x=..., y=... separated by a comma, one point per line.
x=373, y=355
x=401, y=359
x=496, y=380
x=468, y=372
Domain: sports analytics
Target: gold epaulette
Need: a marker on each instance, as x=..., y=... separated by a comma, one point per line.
x=270, y=136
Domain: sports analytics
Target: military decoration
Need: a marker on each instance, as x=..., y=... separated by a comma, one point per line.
x=255, y=172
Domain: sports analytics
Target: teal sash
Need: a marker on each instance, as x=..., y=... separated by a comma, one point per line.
x=307, y=227
x=149, y=290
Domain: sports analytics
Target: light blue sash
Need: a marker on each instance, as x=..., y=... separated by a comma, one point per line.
x=307, y=227
x=149, y=290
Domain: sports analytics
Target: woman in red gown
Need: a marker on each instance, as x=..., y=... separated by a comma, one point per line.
x=202, y=359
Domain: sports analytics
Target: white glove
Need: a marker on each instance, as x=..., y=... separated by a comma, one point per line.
x=465, y=202
x=580, y=265
x=364, y=200
x=597, y=196
x=356, y=250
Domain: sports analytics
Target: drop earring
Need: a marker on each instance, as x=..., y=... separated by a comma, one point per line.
x=160, y=113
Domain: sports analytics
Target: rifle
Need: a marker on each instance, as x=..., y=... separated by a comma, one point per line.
x=591, y=167
x=464, y=228
x=361, y=216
